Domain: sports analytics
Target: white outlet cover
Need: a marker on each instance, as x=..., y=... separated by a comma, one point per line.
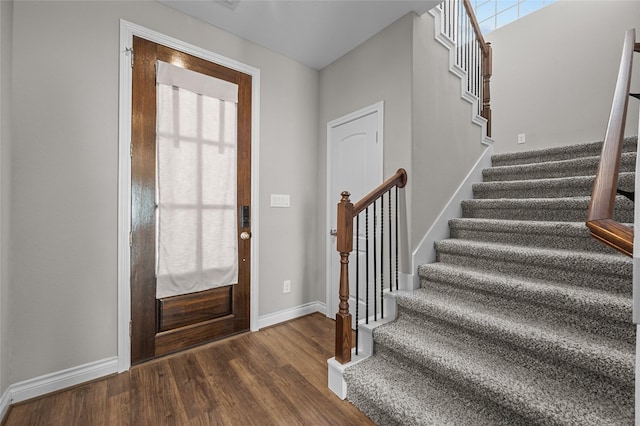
x=521, y=138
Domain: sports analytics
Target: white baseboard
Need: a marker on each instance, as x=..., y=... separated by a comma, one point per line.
x=291, y=313
x=425, y=252
x=5, y=401
x=59, y=380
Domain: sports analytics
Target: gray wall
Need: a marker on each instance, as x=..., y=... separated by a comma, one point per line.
x=377, y=70
x=446, y=145
x=6, y=11
x=63, y=306
x=555, y=72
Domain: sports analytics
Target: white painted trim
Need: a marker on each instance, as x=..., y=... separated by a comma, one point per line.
x=124, y=200
x=5, y=401
x=635, y=292
x=425, y=252
x=335, y=370
x=456, y=70
x=127, y=31
x=408, y=282
x=335, y=374
x=291, y=313
x=636, y=260
x=329, y=246
x=63, y=379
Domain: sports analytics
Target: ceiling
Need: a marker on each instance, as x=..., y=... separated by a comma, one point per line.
x=313, y=32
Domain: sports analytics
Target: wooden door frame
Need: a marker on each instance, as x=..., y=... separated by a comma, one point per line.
x=329, y=246
x=127, y=31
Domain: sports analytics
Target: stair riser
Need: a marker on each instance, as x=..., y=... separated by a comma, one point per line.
x=553, y=170
x=524, y=268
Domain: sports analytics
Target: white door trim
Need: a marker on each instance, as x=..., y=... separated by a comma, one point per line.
x=379, y=108
x=127, y=31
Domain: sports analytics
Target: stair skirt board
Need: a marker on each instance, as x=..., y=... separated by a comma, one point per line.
x=520, y=318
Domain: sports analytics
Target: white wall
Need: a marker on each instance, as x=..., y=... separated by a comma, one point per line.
x=6, y=13
x=63, y=306
x=554, y=73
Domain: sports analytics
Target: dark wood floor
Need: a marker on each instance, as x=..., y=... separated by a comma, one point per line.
x=276, y=376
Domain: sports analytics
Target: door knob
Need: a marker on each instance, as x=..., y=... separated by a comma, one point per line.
x=245, y=235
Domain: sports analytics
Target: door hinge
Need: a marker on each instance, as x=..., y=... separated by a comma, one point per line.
x=130, y=327
x=130, y=239
x=129, y=50
x=130, y=150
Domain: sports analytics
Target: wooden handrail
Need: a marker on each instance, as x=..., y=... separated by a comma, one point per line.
x=399, y=180
x=600, y=216
x=344, y=244
x=476, y=27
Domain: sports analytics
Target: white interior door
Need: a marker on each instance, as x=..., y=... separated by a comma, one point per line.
x=354, y=165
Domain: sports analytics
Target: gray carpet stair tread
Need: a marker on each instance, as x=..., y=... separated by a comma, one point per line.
x=599, y=265
x=546, y=188
x=585, y=166
x=399, y=395
x=567, y=209
x=545, y=339
x=566, y=152
x=541, y=391
x=586, y=301
x=569, y=235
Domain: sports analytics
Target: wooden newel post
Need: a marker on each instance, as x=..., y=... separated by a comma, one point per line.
x=487, y=71
x=344, y=246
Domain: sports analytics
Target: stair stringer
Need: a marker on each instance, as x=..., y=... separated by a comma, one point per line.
x=442, y=38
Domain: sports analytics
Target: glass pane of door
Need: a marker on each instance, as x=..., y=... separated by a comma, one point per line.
x=196, y=189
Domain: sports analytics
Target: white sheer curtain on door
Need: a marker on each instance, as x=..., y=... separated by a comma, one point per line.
x=196, y=182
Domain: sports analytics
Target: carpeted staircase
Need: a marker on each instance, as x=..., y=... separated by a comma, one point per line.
x=523, y=319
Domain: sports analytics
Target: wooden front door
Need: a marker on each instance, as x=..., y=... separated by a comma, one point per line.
x=164, y=323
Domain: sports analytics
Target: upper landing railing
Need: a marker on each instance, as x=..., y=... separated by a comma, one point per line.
x=473, y=54
x=600, y=217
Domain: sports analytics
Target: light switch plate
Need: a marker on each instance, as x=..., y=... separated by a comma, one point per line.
x=280, y=200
